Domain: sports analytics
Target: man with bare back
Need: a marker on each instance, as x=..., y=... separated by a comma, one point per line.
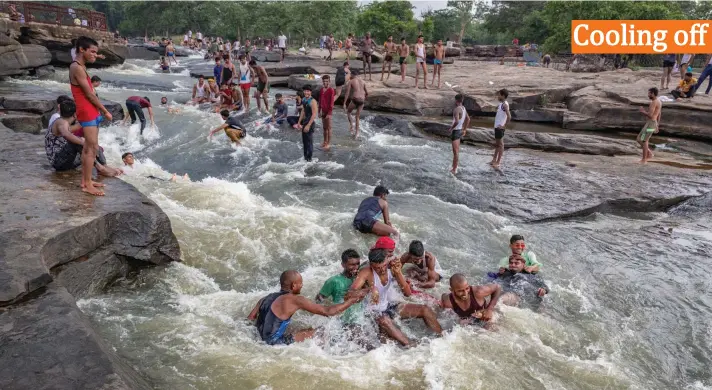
x=403, y=52
x=347, y=46
x=354, y=98
x=439, y=54
x=262, y=90
x=390, y=47
x=419, y=50
x=652, y=124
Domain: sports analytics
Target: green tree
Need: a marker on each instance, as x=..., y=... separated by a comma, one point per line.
x=443, y=22
x=386, y=18
x=466, y=12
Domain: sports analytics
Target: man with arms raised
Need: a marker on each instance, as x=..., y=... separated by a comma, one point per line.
x=354, y=99
x=382, y=274
x=274, y=312
x=470, y=303
x=88, y=109
x=390, y=47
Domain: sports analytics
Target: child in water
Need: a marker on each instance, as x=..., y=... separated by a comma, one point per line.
x=164, y=65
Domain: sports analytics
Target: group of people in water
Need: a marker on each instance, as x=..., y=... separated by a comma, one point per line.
x=366, y=294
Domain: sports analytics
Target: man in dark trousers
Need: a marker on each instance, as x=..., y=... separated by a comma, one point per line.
x=306, y=122
x=135, y=106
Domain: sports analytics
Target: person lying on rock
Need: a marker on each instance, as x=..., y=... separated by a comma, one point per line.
x=273, y=313
x=520, y=286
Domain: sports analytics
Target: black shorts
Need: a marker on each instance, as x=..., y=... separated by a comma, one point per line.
x=389, y=58
x=357, y=102
x=498, y=133
x=281, y=48
x=668, y=64
x=456, y=135
x=401, y=60
x=340, y=83
x=364, y=226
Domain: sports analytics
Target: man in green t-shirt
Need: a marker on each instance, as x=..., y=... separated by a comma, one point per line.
x=337, y=286
x=517, y=244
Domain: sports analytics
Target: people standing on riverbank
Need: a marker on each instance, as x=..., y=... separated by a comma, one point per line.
x=472, y=304
x=501, y=119
x=343, y=74
x=419, y=50
x=652, y=123
x=458, y=129
x=668, y=65
x=135, y=106
x=390, y=48
x=354, y=99
x=438, y=57
x=370, y=210
x=171, y=52
x=330, y=46
x=306, y=122
x=88, y=108
x=218, y=69
x=273, y=313
x=262, y=91
x=326, y=107
x=347, y=47
x=403, y=53
x=228, y=72
x=245, y=80
x=367, y=46
x=382, y=274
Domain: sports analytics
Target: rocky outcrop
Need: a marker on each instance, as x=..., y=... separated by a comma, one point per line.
x=57, y=244
x=392, y=96
x=18, y=60
x=29, y=111
x=141, y=52
x=548, y=142
x=266, y=56
x=497, y=51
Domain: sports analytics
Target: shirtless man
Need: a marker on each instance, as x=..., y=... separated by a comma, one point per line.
x=425, y=273
x=652, y=114
x=347, y=47
x=355, y=97
x=171, y=110
x=201, y=91
x=458, y=129
x=343, y=75
x=419, y=50
x=262, y=90
x=439, y=52
x=382, y=274
x=470, y=302
x=403, y=52
x=171, y=52
x=366, y=50
x=330, y=46
x=390, y=47
x=274, y=312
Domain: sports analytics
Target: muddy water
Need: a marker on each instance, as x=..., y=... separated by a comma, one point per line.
x=629, y=308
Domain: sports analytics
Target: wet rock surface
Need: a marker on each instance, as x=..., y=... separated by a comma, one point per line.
x=48, y=226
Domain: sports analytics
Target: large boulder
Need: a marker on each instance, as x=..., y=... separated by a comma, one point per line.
x=17, y=59
x=266, y=56
x=393, y=97
x=59, y=44
x=141, y=52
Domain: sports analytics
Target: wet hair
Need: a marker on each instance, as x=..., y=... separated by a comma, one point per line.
x=457, y=278
x=459, y=98
x=354, y=72
x=123, y=156
x=95, y=79
x=346, y=63
x=380, y=190
x=164, y=98
x=85, y=43
x=300, y=94
x=503, y=92
x=147, y=99
x=225, y=113
x=201, y=77
x=416, y=248
x=688, y=74
x=278, y=96
x=307, y=88
x=377, y=256
x=253, y=62
x=67, y=108
x=515, y=238
x=654, y=90
x=326, y=77
x=288, y=277
x=63, y=98
x=349, y=254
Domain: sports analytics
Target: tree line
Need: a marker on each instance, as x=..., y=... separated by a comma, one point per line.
x=547, y=23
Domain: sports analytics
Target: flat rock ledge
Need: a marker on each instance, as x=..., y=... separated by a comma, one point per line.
x=58, y=244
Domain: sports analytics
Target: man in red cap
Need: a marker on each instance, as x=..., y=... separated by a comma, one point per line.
x=385, y=243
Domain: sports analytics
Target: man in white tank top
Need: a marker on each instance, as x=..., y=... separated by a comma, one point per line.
x=460, y=122
x=419, y=50
x=501, y=119
x=381, y=275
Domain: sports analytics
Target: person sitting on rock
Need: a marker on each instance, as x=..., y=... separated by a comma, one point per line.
x=370, y=210
x=686, y=89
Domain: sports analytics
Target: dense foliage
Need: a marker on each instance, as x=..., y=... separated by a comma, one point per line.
x=479, y=22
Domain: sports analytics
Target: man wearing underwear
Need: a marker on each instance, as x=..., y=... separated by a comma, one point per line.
x=354, y=99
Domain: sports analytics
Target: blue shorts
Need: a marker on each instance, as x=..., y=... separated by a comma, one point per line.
x=437, y=62
x=170, y=54
x=94, y=123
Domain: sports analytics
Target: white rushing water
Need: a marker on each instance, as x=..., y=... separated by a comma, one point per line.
x=247, y=213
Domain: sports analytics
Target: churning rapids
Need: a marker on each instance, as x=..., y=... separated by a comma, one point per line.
x=630, y=306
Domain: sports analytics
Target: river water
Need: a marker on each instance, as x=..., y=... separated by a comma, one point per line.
x=629, y=308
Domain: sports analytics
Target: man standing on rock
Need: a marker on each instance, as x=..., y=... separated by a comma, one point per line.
x=306, y=122
x=439, y=54
x=326, y=106
x=653, y=114
x=330, y=46
x=262, y=91
x=366, y=51
x=460, y=122
x=354, y=98
x=282, y=44
x=390, y=47
x=347, y=47
x=88, y=107
x=420, y=62
x=403, y=53
x=245, y=80
x=171, y=52
x=501, y=119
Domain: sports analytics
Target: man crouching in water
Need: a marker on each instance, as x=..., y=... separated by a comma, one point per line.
x=274, y=312
x=381, y=274
x=470, y=302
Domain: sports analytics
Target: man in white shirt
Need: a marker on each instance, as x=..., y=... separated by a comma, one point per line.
x=282, y=44
x=200, y=36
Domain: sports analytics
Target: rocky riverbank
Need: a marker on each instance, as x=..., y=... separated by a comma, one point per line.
x=57, y=245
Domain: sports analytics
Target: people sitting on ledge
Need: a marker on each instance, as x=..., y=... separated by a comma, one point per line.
x=686, y=89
